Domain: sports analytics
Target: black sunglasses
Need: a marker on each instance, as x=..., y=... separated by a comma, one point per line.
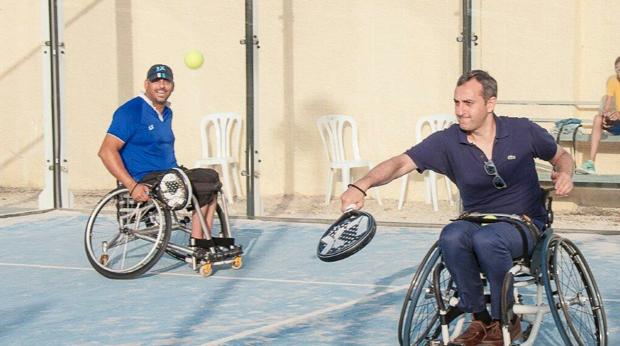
x=490, y=169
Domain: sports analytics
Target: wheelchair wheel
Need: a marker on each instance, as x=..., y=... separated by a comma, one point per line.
x=181, y=233
x=124, y=239
x=419, y=318
x=573, y=295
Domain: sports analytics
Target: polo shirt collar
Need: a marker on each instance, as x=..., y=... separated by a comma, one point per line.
x=150, y=103
x=501, y=130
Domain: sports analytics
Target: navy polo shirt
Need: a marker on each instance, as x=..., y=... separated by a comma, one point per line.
x=149, y=141
x=517, y=142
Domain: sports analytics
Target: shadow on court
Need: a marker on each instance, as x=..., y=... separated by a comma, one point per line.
x=282, y=296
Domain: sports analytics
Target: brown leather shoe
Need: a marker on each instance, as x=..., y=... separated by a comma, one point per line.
x=494, y=336
x=472, y=336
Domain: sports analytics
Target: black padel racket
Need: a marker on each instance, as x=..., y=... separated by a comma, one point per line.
x=348, y=235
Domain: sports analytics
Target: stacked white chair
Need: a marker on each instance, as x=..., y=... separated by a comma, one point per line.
x=436, y=122
x=332, y=130
x=223, y=150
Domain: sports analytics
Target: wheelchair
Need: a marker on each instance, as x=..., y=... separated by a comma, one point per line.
x=124, y=238
x=557, y=271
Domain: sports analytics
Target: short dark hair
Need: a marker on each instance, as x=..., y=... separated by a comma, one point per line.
x=489, y=84
x=617, y=61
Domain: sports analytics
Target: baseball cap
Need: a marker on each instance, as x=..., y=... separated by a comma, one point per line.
x=159, y=71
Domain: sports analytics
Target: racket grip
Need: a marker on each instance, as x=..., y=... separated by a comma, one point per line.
x=350, y=207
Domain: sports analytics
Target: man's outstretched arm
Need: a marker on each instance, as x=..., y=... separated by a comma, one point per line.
x=381, y=174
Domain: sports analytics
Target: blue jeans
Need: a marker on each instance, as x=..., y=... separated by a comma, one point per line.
x=614, y=129
x=469, y=248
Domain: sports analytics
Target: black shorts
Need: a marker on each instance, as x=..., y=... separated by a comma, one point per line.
x=205, y=183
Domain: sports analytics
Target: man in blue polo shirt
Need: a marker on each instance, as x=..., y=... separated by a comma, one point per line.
x=139, y=146
x=491, y=160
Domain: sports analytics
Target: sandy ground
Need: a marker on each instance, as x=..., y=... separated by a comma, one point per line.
x=313, y=208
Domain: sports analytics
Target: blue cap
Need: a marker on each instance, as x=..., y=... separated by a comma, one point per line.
x=159, y=71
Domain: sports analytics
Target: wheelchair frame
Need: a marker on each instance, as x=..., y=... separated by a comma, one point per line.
x=424, y=316
x=141, y=233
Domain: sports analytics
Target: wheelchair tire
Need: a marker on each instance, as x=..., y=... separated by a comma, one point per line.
x=419, y=318
x=574, y=297
x=181, y=237
x=123, y=239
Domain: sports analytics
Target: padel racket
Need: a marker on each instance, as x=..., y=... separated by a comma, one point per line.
x=348, y=235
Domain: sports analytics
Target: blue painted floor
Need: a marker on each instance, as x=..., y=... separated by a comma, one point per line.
x=282, y=296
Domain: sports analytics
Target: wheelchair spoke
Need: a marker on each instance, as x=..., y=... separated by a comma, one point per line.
x=582, y=321
x=419, y=321
x=123, y=238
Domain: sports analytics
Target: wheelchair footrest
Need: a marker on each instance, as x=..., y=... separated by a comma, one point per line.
x=218, y=254
x=213, y=242
x=216, y=249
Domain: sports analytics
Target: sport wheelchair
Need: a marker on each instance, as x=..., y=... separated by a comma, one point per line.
x=125, y=238
x=556, y=270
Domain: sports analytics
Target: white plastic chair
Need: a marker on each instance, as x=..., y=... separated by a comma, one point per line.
x=332, y=130
x=223, y=151
x=436, y=122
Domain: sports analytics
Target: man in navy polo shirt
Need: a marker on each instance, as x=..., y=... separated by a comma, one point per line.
x=491, y=160
x=139, y=146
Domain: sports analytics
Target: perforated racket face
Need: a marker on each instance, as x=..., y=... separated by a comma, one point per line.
x=175, y=189
x=349, y=234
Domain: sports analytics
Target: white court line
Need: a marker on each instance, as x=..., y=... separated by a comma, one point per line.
x=42, y=266
x=295, y=320
x=302, y=282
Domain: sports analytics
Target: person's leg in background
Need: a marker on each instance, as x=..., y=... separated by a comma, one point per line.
x=595, y=139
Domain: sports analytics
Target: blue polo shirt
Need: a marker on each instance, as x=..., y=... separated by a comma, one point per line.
x=517, y=142
x=149, y=141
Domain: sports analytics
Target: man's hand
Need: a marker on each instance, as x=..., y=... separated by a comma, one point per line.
x=563, y=183
x=609, y=118
x=352, y=196
x=140, y=193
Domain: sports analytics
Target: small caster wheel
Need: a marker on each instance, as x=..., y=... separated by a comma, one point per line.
x=206, y=270
x=237, y=262
x=103, y=260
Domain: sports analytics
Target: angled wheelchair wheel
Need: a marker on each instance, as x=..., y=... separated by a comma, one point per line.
x=124, y=239
x=181, y=231
x=419, y=318
x=573, y=295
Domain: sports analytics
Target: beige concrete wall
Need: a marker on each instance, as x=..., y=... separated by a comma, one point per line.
x=384, y=62
x=551, y=51
x=21, y=128
x=385, y=65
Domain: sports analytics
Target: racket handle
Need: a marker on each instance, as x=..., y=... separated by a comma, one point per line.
x=350, y=207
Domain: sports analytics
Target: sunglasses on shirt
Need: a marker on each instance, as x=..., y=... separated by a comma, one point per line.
x=498, y=181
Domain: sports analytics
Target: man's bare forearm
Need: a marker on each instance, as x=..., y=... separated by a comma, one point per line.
x=563, y=163
x=386, y=171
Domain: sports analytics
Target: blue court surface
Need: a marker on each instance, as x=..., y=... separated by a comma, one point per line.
x=282, y=296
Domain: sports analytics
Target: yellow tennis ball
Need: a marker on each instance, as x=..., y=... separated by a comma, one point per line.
x=193, y=59
x=489, y=217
